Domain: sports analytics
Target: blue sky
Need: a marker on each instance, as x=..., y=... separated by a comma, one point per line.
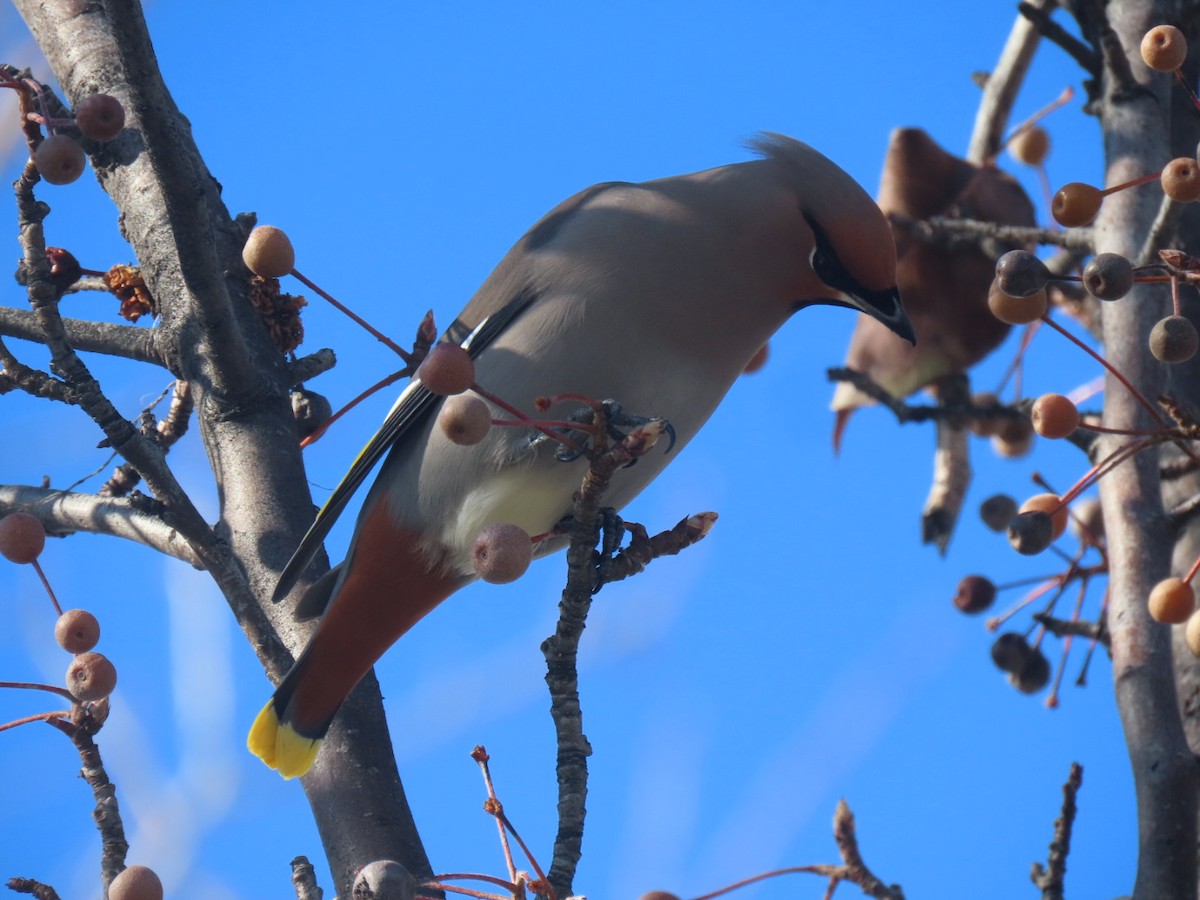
x=806, y=651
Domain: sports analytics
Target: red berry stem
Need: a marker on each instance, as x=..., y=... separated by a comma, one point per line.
x=1050, y=584
x=1137, y=395
x=1062, y=100
x=1052, y=697
x=1187, y=579
x=1145, y=179
x=544, y=428
x=1175, y=296
x=37, y=567
x=1014, y=368
x=377, y=334
x=1187, y=87
x=39, y=717
x=35, y=686
x=316, y=435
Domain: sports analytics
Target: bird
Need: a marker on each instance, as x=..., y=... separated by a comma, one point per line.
x=654, y=295
x=945, y=289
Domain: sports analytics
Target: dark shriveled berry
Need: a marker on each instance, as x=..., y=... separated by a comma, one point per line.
x=997, y=511
x=1010, y=651
x=1021, y=274
x=975, y=594
x=1031, y=532
x=1034, y=675
x=1174, y=340
x=100, y=117
x=1108, y=276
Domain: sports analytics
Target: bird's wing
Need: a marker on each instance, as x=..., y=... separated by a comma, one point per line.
x=409, y=409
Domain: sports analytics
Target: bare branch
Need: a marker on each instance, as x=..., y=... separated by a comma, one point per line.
x=990, y=237
x=1087, y=57
x=126, y=341
x=1050, y=878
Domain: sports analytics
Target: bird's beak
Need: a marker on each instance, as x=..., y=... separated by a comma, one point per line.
x=885, y=307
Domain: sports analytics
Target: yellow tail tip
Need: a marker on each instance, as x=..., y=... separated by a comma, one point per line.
x=279, y=745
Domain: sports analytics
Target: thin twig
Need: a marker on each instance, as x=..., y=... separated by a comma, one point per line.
x=1050, y=877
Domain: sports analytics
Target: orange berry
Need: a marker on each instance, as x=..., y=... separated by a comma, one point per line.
x=100, y=117
x=22, y=537
x=59, y=159
x=447, y=369
x=465, y=419
x=1164, y=48
x=1076, y=204
x=1017, y=310
x=136, y=883
x=501, y=553
x=1181, y=179
x=1054, y=416
x=1172, y=601
x=268, y=252
x=77, y=631
x=1052, y=506
x=91, y=677
x=1030, y=146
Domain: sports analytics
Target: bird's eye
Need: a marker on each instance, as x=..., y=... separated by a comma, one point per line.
x=825, y=260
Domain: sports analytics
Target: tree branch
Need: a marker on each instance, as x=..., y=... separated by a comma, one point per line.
x=126, y=341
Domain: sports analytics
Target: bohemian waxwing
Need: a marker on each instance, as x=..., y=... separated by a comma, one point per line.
x=654, y=295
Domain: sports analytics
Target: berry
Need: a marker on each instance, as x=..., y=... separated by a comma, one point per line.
x=501, y=552
x=77, y=631
x=59, y=159
x=268, y=252
x=385, y=879
x=91, y=677
x=1017, y=310
x=1052, y=506
x=447, y=369
x=975, y=593
x=1174, y=340
x=1021, y=274
x=1172, y=601
x=1015, y=438
x=22, y=537
x=1181, y=179
x=1192, y=633
x=1108, y=276
x=1164, y=48
x=136, y=883
x=64, y=268
x=1034, y=675
x=1054, y=416
x=465, y=419
x=985, y=426
x=1010, y=651
x=1090, y=516
x=758, y=360
x=100, y=117
x=658, y=895
x=310, y=411
x=1031, y=532
x=997, y=511
x=1076, y=204
x=1030, y=146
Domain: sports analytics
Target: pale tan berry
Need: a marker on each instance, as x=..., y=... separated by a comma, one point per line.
x=1052, y=506
x=1192, y=634
x=100, y=117
x=465, y=419
x=447, y=369
x=1108, y=276
x=22, y=537
x=1172, y=601
x=384, y=879
x=136, y=883
x=974, y=594
x=1181, y=179
x=59, y=159
x=1076, y=204
x=1017, y=310
x=1054, y=416
x=1164, y=48
x=1031, y=532
x=1030, y=146
x=1174, y=340
x=91, y=676
x=77, y=631
x=501, y=553
x=268, y=252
